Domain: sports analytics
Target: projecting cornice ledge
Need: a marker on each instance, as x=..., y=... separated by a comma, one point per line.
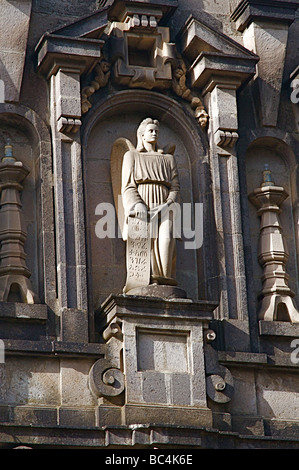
x=214, y=57
x=266, y=10
x=54, y=51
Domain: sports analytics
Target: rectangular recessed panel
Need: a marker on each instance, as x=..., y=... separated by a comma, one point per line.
x=141, y=51
x=162, y=352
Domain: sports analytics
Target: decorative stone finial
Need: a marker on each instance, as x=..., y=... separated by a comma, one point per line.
x=267, y=177
x=14, y=273
x=8, y=152
x=277, y=301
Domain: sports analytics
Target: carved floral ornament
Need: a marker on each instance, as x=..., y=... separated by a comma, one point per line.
x=102, y=75
x=140, y=55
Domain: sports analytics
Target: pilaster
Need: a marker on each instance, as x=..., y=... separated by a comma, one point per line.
x=265, y=27
x=219, y=68
x=62, y=60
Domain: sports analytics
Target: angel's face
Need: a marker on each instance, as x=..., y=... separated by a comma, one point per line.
x=151, y=134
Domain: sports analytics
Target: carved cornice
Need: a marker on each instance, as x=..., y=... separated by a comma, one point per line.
x=67, y=58
x=212, y=53
x=119, y=9
x=140, y=55
x=264, y=10
x=54, y=51
x=219, y=66
x=265, y=31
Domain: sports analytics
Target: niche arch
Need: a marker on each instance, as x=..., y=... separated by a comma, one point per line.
x=119, y=116
x=31, y=142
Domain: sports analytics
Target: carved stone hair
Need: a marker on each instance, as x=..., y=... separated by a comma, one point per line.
x=141, y=130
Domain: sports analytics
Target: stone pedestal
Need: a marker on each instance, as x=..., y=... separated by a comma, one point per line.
x=158, y=346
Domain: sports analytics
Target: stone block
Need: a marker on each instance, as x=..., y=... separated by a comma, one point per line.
x=179, y=416
x=5, y=413
x=74, y=383
x=222, y=421
x=277, y=394
x=154, y=388
x=109, y=415
x=244, y=383
x=68, y=93
x=278, y=328
x=118, y=437
x=162, y=352
x=181, y=389
x=34, y=416
x=236, y=335
x=74, y=325
x=187, y=437
x=286, y=429
x=248, y=426
x=79, y=418
x=30, y=383
x=141, y=437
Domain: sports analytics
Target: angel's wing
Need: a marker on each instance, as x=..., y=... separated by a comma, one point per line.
x=119, y=148
x=170, y=148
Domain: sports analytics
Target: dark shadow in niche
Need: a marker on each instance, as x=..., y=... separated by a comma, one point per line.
x=15, y=294
x=106, y=122
x=282, y=312
x=235, y=338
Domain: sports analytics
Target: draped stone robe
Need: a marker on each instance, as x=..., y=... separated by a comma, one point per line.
x=151, y=178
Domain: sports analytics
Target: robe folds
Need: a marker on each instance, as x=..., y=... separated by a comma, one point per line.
x=151, y=178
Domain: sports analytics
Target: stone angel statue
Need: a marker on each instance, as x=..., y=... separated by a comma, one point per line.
x=146, y=177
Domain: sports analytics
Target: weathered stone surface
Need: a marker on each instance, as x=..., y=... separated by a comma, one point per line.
x=162, y=355
x=195, y=373
x=14, y=24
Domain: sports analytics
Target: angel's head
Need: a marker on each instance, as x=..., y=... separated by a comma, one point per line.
x=148, y=131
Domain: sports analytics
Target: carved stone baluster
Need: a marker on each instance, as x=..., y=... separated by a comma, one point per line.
x=13, y=269
x=276, y=302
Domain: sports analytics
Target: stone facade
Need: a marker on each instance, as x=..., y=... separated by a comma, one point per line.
x=82, y=364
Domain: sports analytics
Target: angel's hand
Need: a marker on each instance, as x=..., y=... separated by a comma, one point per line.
x=155, y=210
x=140, y=210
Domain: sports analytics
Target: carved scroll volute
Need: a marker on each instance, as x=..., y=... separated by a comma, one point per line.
x=105, y=380
x=219, y=380
x=220, y=386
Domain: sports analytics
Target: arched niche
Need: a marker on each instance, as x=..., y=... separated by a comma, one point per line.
x=31, y=143
x=119, y=116
x=281, y=160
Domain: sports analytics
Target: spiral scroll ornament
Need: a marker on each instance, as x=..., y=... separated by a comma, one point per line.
x=105, y=380
x=220, y=386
